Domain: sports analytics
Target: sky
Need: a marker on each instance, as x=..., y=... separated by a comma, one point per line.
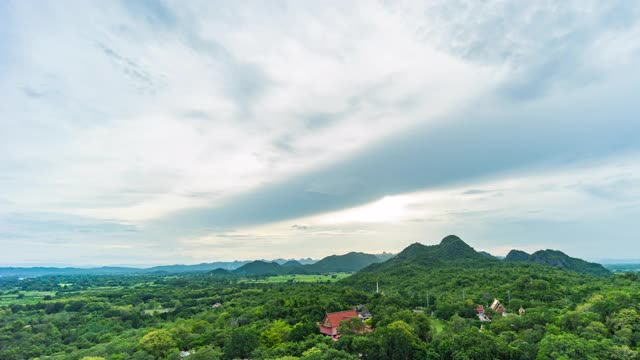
x=164, y=132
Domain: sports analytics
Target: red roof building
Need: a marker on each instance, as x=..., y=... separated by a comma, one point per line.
x=480, y=309
x=329, y=326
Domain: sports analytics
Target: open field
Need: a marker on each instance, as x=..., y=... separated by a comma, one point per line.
x=300, y=278
x=24, y=297
x=158, y=311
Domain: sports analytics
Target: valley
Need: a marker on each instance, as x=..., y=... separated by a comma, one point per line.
x=423, y=304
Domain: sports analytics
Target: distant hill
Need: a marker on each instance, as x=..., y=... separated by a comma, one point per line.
x=451, y=251
x=292, y=263
x=420, y=261
x=517, y=255
x=112, y=270
x=451, y=248
x=486, y=254
x=385, y=256
x=260, y=267
x=558, y=259
x=350, y=262
x=624, y=267
x=454, y=254
x=220, y=271
x=335, y=263
x=307, y=261
x=282, y=261
x=45, y=271
x=227, y=265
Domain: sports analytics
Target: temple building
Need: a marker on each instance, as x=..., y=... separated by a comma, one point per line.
x=363, y=312
x=481, y=315
x=495, y=306
x=498, y=307
x=331, y=322
x=329, y=326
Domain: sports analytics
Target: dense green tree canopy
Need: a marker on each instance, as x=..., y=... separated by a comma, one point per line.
x=425, y=310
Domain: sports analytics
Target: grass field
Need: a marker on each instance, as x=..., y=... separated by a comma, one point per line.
x=158, y=311
x=300, y=278
x=29, y=297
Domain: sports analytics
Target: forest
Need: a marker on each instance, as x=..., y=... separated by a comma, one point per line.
x=423, y=304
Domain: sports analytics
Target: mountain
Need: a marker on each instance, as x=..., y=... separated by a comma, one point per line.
x=282, y=261
x=453, y=254
x=517, y=255
x=385, y=256
x=260, y=267
x=486, y=254
x=418, y=259
x=451, y=251
x=451, y=248
x=335, y=263
x=43, y=271
x=112, y=270
x=558, y=259
x=350, y=262
x=307, y=261
x=227, y=265
x=220, y=271
x=292, y=264
x=418, y=263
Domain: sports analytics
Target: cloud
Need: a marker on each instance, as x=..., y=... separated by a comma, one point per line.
x=544, y=46
x=545, y=135
x=186, y=119
x=556, y=209
x=33, y=93
x=261, y=109
x=300, y=227
x=45, y=223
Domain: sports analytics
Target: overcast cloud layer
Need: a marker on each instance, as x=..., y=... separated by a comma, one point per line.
x=144, y=132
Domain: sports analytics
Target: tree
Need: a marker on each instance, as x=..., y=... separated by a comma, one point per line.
x=276, y=334
x=241, y=343
x=422, y=326
x=477, y=345
x=351, y=326
x=302, y=330
x=564, y=346
x=397, y=341
x=324, y=352
x=158, y=342
x=206, y=353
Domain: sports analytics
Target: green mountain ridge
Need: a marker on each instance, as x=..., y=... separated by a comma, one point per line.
x=449, y=252
x=558, y=259
x=292, y=263
x=517, y=255
x=350, y=262
x=260, y=267
x=453, y=251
